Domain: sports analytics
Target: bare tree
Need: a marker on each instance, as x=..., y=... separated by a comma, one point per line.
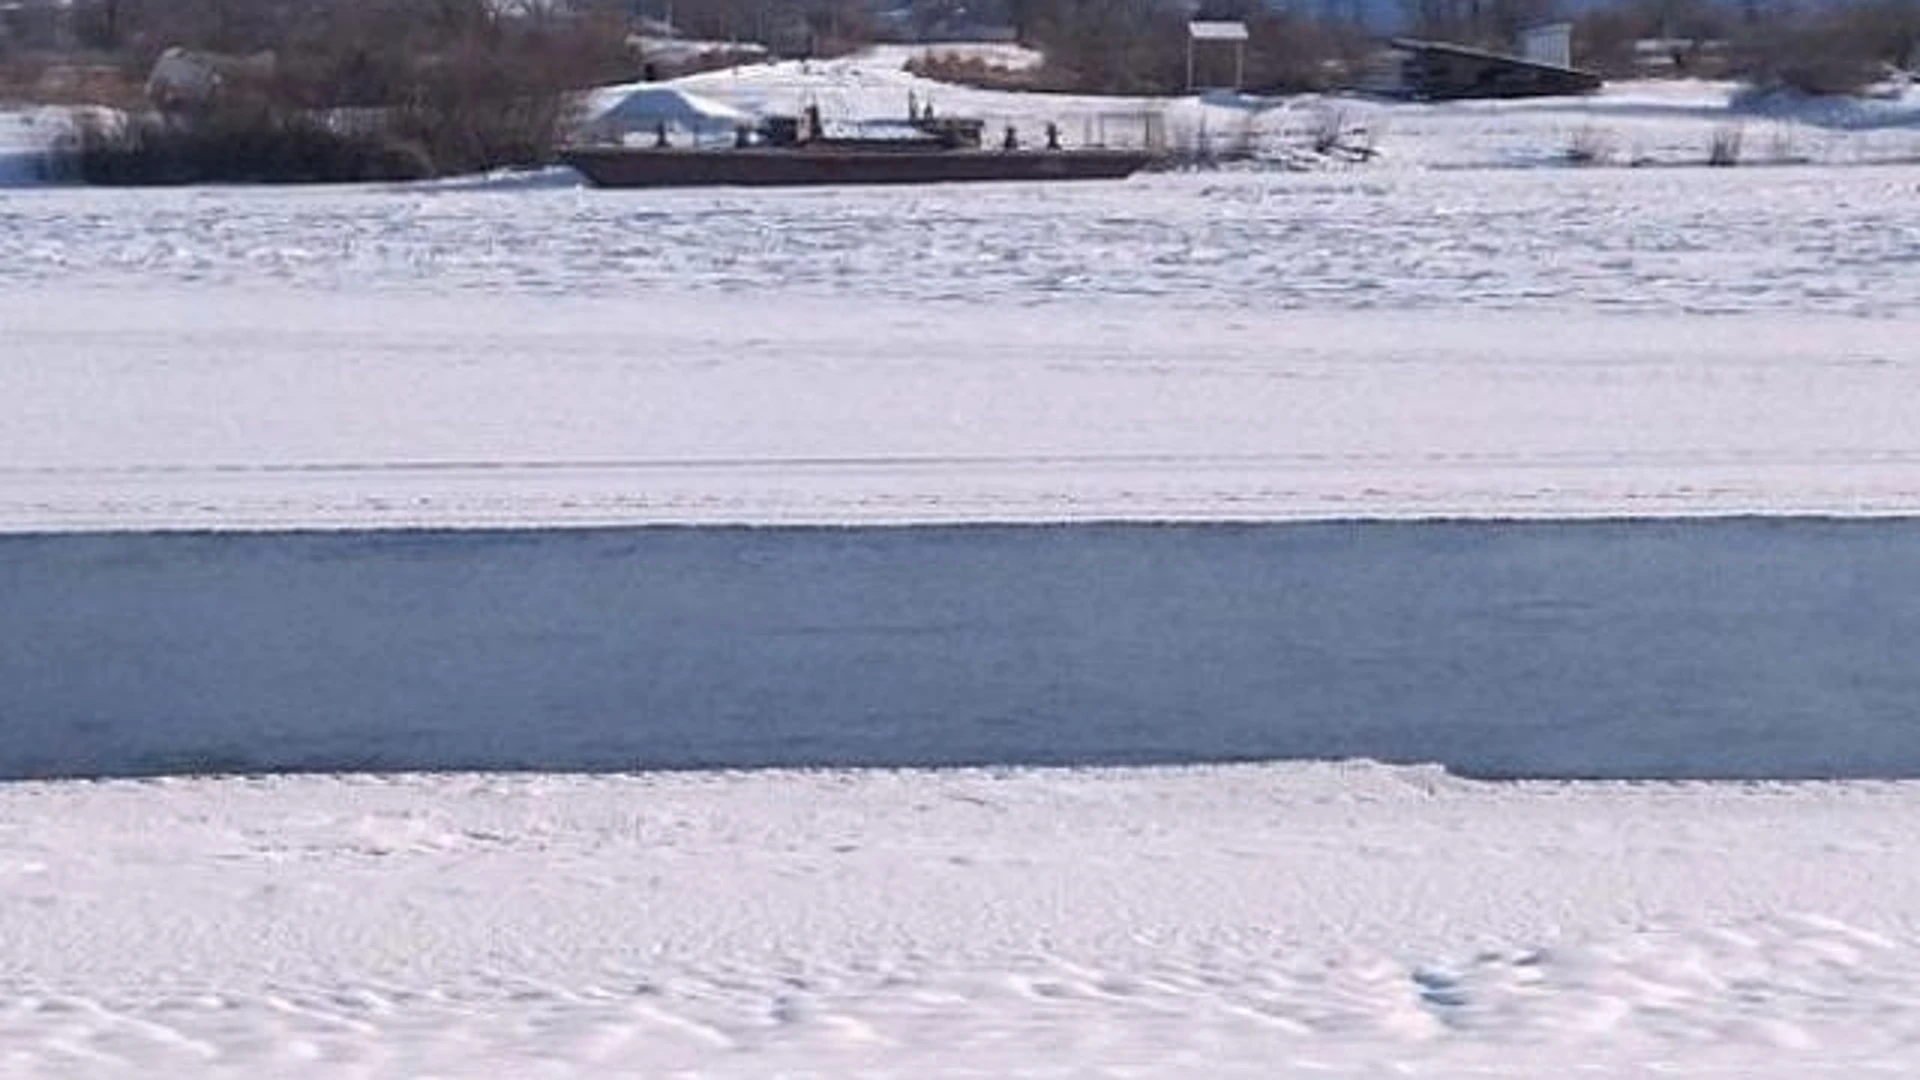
x=1836, y=50
x=1488, y=23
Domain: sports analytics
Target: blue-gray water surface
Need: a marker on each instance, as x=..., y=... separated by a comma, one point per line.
x=1730, y=648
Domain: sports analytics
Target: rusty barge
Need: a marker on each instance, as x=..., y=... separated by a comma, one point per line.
x=802, y=150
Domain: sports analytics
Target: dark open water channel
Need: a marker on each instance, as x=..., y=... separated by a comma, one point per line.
x=1733, y=648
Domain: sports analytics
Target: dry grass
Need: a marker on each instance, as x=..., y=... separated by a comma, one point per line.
x=1724, y=148
x=977, y=72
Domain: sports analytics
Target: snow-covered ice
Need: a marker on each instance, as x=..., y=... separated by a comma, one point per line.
x=1252, y=921
x=1534, y=343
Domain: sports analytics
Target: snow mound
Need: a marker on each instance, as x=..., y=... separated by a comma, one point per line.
x=644, y=107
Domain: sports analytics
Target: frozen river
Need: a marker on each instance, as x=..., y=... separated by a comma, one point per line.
x=1245, y=347
x=1543, y=472
x=156, y=410
x=1710, y=649
x=1812, y=240
x=1234, y=349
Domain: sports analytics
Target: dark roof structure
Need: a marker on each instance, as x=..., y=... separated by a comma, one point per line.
x=1441, y=71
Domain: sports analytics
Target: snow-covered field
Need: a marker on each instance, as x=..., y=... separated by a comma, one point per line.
x=1434, y=333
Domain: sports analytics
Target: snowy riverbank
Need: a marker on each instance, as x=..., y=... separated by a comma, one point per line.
x=1632, y=122
x=1307, y=919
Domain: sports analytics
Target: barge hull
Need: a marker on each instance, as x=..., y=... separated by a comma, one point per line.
x=625, y=167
